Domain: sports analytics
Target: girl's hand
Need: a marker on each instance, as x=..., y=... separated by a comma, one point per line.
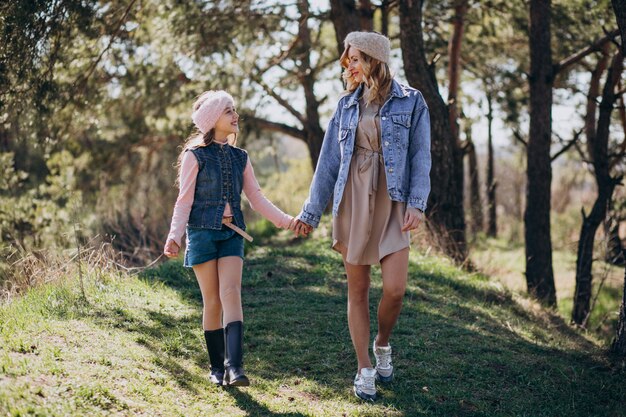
x=412, y=219
x=171, y=249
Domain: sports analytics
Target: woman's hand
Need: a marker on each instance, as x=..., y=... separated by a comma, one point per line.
x=412, y=219
x=301, y=228
x=171, y=249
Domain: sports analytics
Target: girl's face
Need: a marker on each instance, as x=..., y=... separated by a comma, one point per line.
x=228, y=123
x=355, y=67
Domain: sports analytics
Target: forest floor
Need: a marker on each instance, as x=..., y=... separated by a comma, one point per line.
x=504, y=262
x=465, y=345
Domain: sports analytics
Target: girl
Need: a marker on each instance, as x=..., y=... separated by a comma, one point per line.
x=376, y=158
x=212, y=173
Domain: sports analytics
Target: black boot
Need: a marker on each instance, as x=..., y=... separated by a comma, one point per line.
x=233, y=333
x=215, y=347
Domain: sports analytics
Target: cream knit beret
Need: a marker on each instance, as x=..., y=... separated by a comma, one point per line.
x=211, y=109
x=371, y=43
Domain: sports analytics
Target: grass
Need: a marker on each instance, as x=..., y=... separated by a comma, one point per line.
x=505, y=263
x=464, y=346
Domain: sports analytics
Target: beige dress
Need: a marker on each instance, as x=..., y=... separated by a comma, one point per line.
x=368, y=225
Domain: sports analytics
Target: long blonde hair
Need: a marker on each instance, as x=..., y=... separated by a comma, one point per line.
x=197, y=138
x=377, y=76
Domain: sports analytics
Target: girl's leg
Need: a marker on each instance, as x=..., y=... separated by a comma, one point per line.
x=358, y=311
x=394, y=270
x=229, y=270
x=207, y=276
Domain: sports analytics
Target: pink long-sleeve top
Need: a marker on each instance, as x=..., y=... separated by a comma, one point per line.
x=188, y=173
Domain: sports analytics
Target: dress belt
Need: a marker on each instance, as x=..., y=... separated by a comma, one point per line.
x=228, y=222
x=372, y=158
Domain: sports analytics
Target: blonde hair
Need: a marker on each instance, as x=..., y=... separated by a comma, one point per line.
x=197, y=138
x=377, y=77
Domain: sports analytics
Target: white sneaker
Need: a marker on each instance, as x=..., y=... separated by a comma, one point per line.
x=384, y=368
x=365, y=384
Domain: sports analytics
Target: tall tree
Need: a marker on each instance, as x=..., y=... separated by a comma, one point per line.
x=598, y=154
x=539, y=273
x=476, y=223
x=492, y=222
x=619, y=343
x=446, y=212
x=619, y=7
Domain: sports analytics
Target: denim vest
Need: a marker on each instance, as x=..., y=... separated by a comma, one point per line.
x=219, y=181
x=405, y=142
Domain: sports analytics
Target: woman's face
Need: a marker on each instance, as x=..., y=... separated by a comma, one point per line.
x=228, y=123
x=355, y=67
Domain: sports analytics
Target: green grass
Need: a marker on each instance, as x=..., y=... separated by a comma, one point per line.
x=504, y=262
x=464, y=346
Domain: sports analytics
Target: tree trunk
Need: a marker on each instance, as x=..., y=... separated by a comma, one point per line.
x=454, y=65
x=346, y=19
x=619, y=344
x=385, y=7
x=366, y=15
x=446, y=213
x=619, y=7
x=313, y=130
x=598, y=149
x=539, y=273
x=476, y=224
x=614, y=252
x=492, y=226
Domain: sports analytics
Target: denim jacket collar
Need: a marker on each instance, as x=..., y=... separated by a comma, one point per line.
x=397, y=90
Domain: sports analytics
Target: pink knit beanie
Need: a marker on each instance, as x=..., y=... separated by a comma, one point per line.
x=214, y=104
x=371, y=43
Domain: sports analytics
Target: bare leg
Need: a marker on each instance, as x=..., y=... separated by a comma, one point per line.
x=358, y=311
x=206, y=274
x=394, y=270
x=229, y=270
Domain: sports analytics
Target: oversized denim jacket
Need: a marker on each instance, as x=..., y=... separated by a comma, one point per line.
x=219, y=181
x=405, y=140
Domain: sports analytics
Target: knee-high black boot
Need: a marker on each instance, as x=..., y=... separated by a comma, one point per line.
x=234, y=375
x=215, y=347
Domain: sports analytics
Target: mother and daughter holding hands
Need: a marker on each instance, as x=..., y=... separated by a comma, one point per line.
x=374, y=163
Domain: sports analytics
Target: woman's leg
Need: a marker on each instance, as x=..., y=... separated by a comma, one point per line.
x=207, y=276
x=394, y=270
x=229, y=270
x=358, y=311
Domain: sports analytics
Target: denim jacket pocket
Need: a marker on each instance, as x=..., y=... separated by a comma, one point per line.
x=401, y=129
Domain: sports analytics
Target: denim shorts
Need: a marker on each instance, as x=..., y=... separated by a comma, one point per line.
x=204, y=245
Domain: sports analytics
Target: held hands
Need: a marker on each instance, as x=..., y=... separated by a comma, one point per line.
x=171, y=249
x=299, y=228
x=412, y=219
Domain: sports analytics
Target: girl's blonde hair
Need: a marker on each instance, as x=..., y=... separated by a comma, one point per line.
x=377, y=77
x=197, y=138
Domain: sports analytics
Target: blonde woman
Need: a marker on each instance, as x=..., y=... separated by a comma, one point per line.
x=375, y=162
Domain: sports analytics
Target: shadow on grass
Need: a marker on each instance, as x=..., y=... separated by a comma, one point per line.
x=459, y=349
x=253, y=409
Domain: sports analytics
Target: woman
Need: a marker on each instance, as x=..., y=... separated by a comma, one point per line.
x=376, y=159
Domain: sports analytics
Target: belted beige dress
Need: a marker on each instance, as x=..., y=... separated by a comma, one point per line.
x=368, y=225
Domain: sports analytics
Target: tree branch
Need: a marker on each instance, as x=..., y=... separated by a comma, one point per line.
x=278, y=98
x=568, y=145
x=274, y=126
x=519, y=137
x=574, y=58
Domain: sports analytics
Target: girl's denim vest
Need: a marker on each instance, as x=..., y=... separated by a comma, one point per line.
x=219, y=181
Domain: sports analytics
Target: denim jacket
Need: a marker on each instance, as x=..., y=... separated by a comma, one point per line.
x=405, y=140
x=219, y=181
